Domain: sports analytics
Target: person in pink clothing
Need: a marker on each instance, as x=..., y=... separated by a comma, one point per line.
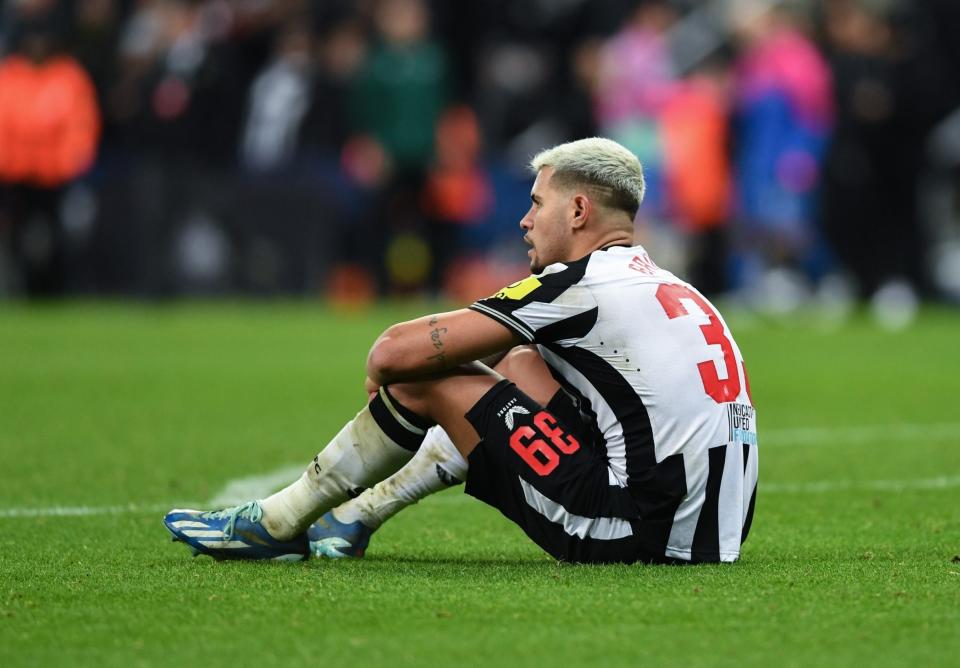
x=783, y=117
x=635, y=81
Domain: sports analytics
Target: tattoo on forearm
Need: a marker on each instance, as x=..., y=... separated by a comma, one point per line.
x=440, y=356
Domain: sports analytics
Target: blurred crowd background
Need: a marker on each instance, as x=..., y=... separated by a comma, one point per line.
x=795, y=151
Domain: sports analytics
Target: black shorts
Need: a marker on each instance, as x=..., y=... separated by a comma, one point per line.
x=541, y=469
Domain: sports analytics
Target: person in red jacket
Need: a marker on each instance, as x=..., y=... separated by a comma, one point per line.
x=49, y=132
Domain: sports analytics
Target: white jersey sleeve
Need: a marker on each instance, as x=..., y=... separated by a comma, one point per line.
x=546, y=307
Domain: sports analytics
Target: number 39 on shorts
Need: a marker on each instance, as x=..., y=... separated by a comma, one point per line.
x=539, y=455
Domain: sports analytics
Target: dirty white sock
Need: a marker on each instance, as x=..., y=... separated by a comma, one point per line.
x=436, y=466
x=373, y=445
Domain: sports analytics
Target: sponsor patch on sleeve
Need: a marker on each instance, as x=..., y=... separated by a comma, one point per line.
x=518, y=290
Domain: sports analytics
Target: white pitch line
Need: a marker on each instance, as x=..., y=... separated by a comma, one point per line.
x=243, y=489
x=81, y=511
x=860, y=434
x=823, y=486
x=234, y=492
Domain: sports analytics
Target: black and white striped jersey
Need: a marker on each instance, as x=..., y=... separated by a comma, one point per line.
x=657, y=370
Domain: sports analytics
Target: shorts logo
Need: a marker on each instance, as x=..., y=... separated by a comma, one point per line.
x=518, y=410
x=511, y=409
x=518, y=290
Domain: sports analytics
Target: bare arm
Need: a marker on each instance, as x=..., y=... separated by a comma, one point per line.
x=371, y=388
x=434, y=344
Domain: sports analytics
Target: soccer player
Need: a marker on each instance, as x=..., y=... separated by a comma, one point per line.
x=629, y=435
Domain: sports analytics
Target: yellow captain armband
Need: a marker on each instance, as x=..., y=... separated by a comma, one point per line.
x=518, y=290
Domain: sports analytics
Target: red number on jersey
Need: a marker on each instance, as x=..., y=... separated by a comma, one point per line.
x=722, y=391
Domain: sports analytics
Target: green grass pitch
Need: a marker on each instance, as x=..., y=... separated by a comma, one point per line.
x=113, y=413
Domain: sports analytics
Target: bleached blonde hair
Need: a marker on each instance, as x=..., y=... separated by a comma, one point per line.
x=609, y=170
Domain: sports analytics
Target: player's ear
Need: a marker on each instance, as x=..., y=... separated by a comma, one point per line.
x=581, y=206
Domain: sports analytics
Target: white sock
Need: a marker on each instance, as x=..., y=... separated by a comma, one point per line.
x=436, y=466
x=360, y=455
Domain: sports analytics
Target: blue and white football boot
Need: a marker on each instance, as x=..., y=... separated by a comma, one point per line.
x=329, y=537
x=232, y=533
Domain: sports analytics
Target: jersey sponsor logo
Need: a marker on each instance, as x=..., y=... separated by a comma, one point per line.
x=743, y=428
x=519, y=290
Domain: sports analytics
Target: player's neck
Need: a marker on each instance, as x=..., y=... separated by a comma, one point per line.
x=616, y=237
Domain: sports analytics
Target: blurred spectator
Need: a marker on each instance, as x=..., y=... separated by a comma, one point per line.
x=49, y=130
x=252, y=145
x=679, y=128
x=697, y=178
x=784, y=112
x=279, y=100
x=94, y=39
x=515, y=97
x=342, y=51
x=635, y=81
x=178, y=94
x=457, y=192
x=887, y=100
x=398, y=96
x=177, y=105
x=402, y=87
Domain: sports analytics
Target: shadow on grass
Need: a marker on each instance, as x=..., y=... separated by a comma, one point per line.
x=532, y=563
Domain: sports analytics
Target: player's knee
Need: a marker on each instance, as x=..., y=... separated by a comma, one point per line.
x=525, y=367
x=517, y=360
x=414, y=396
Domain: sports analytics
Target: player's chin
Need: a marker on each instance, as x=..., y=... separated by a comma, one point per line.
x=535, y=267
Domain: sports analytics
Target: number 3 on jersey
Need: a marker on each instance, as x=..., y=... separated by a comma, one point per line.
x=720, y=390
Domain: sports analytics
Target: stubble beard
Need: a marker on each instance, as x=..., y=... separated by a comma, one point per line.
x=535, y=267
